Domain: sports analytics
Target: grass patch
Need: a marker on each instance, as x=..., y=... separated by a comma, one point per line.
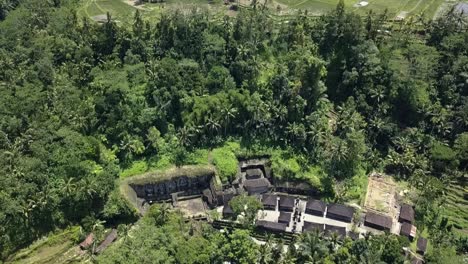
x=225, y=160
x=285, y=165
x=137, y=167
x=357, y=187
x=161, y=162
x=290, y=167
x=198, y=157
x=157, y=176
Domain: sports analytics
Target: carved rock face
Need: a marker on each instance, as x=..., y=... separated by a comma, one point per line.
x=162, y=190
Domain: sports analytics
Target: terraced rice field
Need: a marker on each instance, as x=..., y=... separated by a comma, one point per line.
x=395, y=7
x=123, y=11
x=456, y=206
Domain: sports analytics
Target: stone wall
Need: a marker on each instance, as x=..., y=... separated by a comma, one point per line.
x=183, y=184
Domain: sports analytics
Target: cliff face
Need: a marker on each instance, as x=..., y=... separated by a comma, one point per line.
x=159, y=185
x=163, y=190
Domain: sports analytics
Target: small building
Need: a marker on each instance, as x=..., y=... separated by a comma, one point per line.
x=315, y=207
x=378, y=221
x=228, y=213
x=421, y=245
x=294, y=187
x=339, y=230
x=309, y=226
x=252, y=174
x=271, y=226
x=111, y=237
x=286, y=203
x=87, y=242
x=284, y=217
x=340, y=212
x=408, y=230
x=257, y=186
x=269, y=201
x=406, y=214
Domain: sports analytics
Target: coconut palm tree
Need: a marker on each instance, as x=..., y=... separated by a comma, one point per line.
x=311, y=247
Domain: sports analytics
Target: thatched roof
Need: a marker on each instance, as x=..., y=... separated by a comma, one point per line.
x=406, y=213
x=269, y=200
x=309, y=226
x=87, y=242
x=408, y=230
x=340, y=210
x=421, y=245
x=257, y=186
x=284, y=217
x=378, y=221
x=253, y=173
x=286, y=202
x=316, y=205
x=109, y=239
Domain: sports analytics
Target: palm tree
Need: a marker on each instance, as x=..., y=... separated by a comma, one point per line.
x=97, y=230
x=377, y=93
x=228, y=113
x=184, y=136
x=334, y=242
x=265, y=254
x=212, y=125
x=68, y=187
x=88, y=187
x=311, y=247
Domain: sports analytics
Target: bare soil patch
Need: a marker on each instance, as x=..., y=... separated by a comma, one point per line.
x=380, y=197
x=192, y=208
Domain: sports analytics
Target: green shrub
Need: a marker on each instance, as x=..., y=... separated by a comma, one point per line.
x=118, y=210
x=314, y=175
x=284, y=165
x=137, y=167
x=225, y=161
x=357, y=186
x=442, y=152
x=162, y=162
x=197, y=157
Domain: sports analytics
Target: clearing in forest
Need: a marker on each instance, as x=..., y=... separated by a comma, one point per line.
x=380, y=195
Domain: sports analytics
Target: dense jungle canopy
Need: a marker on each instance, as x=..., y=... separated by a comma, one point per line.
x=81, y=101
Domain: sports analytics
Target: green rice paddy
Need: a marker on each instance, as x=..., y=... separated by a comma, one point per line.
x=123, y=11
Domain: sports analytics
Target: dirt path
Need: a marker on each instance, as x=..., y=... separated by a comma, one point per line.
x=132, y=4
